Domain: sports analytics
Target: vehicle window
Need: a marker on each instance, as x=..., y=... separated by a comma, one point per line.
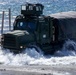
x=21, y=24
x=32, y=25
x=26, y=26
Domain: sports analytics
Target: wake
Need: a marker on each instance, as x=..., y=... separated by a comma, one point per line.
x=32, y=57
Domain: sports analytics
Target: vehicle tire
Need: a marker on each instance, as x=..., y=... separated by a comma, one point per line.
x=35, y=47
x=33, y=51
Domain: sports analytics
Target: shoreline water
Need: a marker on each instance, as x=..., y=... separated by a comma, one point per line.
x=38, y=70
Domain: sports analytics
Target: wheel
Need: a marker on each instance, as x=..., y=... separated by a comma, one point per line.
x=35, y=47
x=33, y=51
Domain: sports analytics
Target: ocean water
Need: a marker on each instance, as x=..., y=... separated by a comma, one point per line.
x=31, y=56
x=51, y=6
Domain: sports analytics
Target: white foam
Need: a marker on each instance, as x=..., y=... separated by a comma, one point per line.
x=32, y=57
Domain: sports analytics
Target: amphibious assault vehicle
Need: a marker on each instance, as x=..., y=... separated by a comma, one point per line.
x=32, y=29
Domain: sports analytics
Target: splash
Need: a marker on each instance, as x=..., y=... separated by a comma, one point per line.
x=69, y=49
x=32, y=57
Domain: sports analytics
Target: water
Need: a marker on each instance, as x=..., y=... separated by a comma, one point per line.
x=31, y=56
x=51, y=6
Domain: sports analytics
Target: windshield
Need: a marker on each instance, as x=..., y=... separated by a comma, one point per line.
x=26, y=26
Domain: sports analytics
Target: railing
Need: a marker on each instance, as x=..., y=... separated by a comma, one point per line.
x=6, y=21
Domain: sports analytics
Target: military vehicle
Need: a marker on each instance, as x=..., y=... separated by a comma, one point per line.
x=32, y=29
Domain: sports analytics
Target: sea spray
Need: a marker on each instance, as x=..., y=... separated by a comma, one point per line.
x=68, y=49
x=32, y=57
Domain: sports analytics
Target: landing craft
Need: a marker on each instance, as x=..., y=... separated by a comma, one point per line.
x=32, y=29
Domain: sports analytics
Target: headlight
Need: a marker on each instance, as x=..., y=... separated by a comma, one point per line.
x=21, y=46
